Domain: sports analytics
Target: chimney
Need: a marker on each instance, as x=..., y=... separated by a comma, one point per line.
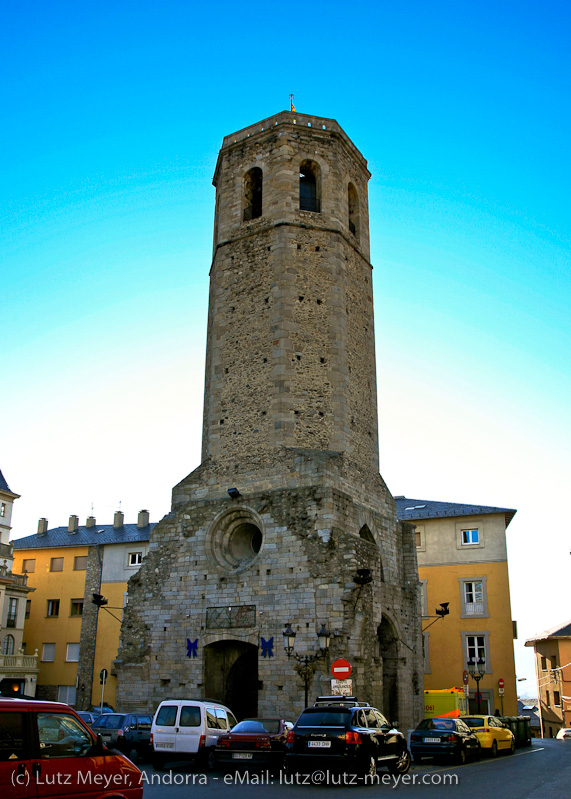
x=90, y=521
x=118, y=520
x=143, y=519
x=73, y=525
x=42, y=526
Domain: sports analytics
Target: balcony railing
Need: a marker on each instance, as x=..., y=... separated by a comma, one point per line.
x=19, y=662
x=474, y=608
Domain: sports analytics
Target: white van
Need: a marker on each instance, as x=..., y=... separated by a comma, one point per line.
x=188, y=728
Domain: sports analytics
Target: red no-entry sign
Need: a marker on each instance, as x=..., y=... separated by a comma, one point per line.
x=500, y=683
x=341, y=669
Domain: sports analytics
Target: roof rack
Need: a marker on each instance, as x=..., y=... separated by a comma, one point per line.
x=347, y=701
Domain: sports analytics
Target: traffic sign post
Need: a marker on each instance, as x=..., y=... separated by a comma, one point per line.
x=501, y=693
x=103, y=674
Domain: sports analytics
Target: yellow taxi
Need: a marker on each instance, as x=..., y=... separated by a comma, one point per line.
x=492, y=734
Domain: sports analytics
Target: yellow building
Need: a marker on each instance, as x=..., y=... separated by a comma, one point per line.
x=75, y=639
x=462, y=564
x=553, y=668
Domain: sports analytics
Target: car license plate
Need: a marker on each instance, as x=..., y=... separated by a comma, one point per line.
x=242, y=756
x=164, y=745
x=320, y=744
x=432, y=740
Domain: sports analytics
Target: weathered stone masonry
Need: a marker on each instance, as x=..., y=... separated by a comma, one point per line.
x=290, y=422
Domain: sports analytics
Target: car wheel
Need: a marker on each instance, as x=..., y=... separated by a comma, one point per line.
x=208, y=759
x=369, y=768
x=494, y=750
x=158, y=762
x=461, y=757
x=402, y=764
x=512, y=747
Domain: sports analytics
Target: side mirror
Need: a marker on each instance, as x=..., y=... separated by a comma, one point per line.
x=98, y=747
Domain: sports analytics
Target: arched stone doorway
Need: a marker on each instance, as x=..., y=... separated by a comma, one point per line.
x=388, y=642
x=231, y=676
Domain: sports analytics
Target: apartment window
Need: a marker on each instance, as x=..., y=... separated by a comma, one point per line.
x=8, y=645
x=80, y=563
x=424, y=597
x=66, y=694
x=28, y=608
x=470, y=537
x=476, y=645
x=53, y=607
x=473, y=596
x=556, y=698
x=547, y=699
x=56, y=565
x=48, y=653
x=72, y=653
x=12, y=612
x=29, y=565
x=543, y=664
x=3, y=509
x=420, y=537
x=135, y=558
x=553, y=661
x=76, y=607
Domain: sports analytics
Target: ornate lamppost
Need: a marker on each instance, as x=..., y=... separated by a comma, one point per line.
x=305, y=665
x=477, y=669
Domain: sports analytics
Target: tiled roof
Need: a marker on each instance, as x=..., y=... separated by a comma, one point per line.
x=3, y=484
x=561, y=631
x=410, y=509
x=85, y=536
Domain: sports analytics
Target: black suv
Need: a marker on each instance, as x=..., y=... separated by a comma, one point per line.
x=342, y=734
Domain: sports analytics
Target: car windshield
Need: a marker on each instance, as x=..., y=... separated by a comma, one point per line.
x=437, y=724
x=319, y=717
x=110, y=721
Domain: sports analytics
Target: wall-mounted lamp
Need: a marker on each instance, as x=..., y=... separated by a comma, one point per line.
x=441, y=612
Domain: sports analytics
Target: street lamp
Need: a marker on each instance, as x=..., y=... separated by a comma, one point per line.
x=305, y=665
x=477, y=669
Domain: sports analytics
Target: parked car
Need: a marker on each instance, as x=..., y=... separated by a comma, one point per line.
x=126, y=731
x=564, y=734
x=444, y=738
x=99, y=710
x=189, y=729
x=492, y=734
x=88, y=718
x=41, y=741
x=342, y=734
x=111, y=728
x=254, y=742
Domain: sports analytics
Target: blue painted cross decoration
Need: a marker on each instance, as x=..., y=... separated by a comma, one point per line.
x=267, y=647
x=191, y=648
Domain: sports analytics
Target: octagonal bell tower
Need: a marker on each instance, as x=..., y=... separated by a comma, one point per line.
x=287, y=519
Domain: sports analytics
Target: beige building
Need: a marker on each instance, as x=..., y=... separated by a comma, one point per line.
x=17, y=670
x=462, y=561
x=553, y=668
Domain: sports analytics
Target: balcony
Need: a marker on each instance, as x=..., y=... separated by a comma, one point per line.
x=475, y=609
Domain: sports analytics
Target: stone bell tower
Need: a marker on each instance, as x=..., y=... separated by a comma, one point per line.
x=287, y=519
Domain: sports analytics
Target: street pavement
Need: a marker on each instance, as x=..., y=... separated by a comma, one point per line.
x=541, y=771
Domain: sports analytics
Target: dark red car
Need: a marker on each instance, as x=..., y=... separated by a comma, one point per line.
x=254, y=743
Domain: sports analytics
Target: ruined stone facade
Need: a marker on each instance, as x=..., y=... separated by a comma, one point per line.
x=290, y=430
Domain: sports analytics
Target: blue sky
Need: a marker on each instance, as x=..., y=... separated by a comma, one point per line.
x=112, y=117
